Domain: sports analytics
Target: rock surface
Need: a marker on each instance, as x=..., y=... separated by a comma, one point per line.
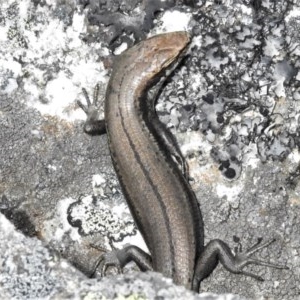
x=233, y=106
x=29, y=270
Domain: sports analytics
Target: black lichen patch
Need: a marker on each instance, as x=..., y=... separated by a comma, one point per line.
x=124, y=18
x=293, y=179
x=229, y=166
x=17, y=216
x=242, y=75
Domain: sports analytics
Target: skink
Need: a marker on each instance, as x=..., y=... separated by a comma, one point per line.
x=151, y=171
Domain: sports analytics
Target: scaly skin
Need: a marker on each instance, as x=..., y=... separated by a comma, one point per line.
x=161, y=201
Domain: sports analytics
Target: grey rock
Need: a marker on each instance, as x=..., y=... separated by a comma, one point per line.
x=29, y=270
x=234, y=107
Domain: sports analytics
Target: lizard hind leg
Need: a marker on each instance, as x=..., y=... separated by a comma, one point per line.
x=218, y=251
x=118, y=258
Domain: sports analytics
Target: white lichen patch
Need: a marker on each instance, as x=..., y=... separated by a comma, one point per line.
x=58, y=226
x=294, y=157
x=167, y=24
x=56, y=63
x=91, y=215
x=231, y=193
x=136, y=240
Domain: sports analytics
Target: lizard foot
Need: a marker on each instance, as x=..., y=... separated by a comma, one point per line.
x=93, y=124
x=217, y=250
